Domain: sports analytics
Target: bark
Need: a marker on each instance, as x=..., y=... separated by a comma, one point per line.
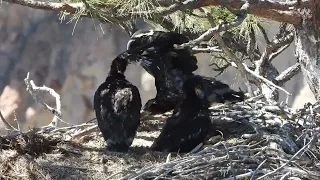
x=308, y=47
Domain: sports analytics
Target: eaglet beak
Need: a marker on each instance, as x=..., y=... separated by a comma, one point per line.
x=199, y=92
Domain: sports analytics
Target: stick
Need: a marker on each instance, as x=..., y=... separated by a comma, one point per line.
x=255, y=172
x=8, y=126
x=34, y=90
x=285, y=164
x=265, y=80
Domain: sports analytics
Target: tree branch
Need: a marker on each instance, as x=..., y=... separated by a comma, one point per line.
x=34, y=90
x=218, y=28
x=277, y=45
x=283, y=44
x=210, y=49
x=237, y=61
x=287, y=74
x=265, y=80
x=264, y=33
x=273, y=10
x=251, y=44
x=278, y=11
x=49, y=6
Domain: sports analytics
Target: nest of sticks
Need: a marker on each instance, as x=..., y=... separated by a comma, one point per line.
x=257, y=139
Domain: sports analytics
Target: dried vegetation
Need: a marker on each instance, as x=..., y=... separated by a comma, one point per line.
x=259, y=140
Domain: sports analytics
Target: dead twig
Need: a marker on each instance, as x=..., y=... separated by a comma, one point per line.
x=34, y=90
x=290, y=160
x=8, y=126
x=264, y=79
x=86, y=131
x=255, y=172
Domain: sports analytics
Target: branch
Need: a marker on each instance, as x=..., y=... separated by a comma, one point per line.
x=282, y=45
x=290, y=160
x=196, y=50
x=251, y=44
x=264, y=33
x=241, y=16
x=255, y=172
x=265, y=80
x=8, y=126
x=220, y=69
x=274, y=48
x=34, y=90
x=224, y=27
x=49, y=6
x=239, y=44
x=273, y=10
x=278, y=11
x=287, y=74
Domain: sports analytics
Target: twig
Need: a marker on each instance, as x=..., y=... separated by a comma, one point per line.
x=223, y=27
x=8, y=126
x=218, y=28
x=285, y=176
x=15, y=119
x=265, y=80
x=280, y=50
x=113, y=175
x=229, y=159
x=264, y=33
x=241, y=176
x=34, y=90
x=280, y=42
x=196, y=50
x=251, y=44
x=285, y=164
x=168, y=158
x=85, y=131
x=72, y=127
x=255, y=172
x=234, y=58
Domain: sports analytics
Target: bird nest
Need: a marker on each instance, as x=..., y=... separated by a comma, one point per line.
x=257, y=139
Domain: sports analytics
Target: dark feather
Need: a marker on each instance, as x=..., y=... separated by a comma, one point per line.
x=171, y=67
x=117, y=104
x=189, y=124
x=159, y=46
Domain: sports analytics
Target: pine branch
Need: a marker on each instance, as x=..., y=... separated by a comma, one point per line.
x=273, y=10
x=278, y=11
x=49, y=6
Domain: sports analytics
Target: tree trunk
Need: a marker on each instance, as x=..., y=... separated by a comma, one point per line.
x=308, y=47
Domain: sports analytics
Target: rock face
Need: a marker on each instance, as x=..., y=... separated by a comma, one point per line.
x=74, y=60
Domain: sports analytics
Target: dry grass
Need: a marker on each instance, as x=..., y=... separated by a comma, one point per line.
x=34, y=156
